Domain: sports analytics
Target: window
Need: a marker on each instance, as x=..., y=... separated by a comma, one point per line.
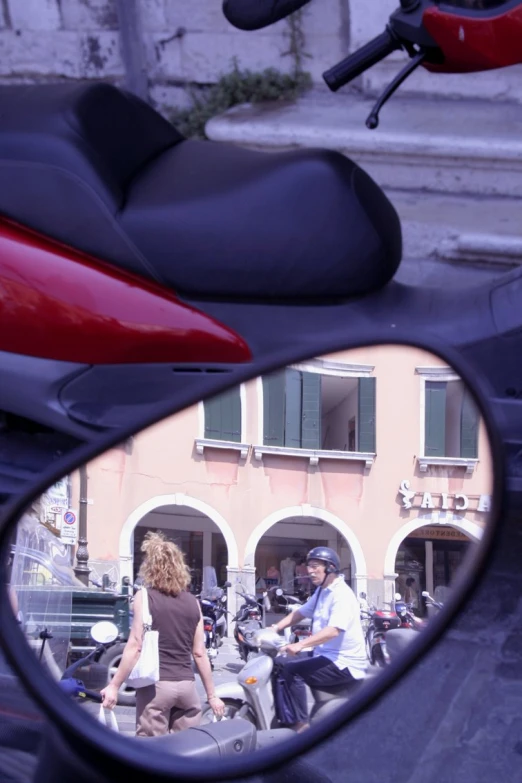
x=223, y=416
x=451, y=421
x=308, y=410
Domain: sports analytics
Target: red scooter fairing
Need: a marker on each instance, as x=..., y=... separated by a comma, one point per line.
x=57, y=303
x=475, y=35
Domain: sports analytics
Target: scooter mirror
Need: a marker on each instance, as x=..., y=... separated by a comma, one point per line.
x=104, y=632
x=398, y=596
x=381, y=453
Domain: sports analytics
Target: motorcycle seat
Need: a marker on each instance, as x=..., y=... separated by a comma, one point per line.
x=99, y=170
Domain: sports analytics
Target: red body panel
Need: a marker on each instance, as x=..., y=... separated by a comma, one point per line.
x=57, y=303
x=475, y=43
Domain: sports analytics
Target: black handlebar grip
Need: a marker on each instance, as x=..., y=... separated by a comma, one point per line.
x=358, y=62
x=93, y=695
x=256, y=14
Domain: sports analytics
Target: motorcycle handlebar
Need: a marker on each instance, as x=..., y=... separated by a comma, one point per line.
x=256, y=14
x=93, y=695
x=358, y=62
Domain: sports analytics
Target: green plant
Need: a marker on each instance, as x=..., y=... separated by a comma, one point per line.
x=245, y=86
x=238, y=86
x=296, y=41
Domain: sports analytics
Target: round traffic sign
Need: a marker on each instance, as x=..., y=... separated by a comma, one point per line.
x=69, y=518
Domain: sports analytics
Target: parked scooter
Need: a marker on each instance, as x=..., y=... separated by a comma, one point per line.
x=390, y=632
x=433, y=37
x=379, y=622
x=214, y=611
x=249, y=618
x=251, y=697
x=104, y=634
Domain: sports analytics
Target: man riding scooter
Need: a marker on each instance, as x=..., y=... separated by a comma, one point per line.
x=338, y=657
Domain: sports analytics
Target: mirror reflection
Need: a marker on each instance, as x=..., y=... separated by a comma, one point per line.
x=284, y=541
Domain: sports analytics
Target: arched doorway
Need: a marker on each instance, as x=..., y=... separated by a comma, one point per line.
x=199, y=538
x=279, y=544
x=201, y=532
x=430, y=550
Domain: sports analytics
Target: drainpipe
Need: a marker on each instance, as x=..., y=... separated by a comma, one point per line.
x=132, y=47
x=82, y=569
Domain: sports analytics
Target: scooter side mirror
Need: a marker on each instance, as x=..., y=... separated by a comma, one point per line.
x=425, y=594
x=227, y=584
x=104, y=632
x=279, y=591
x=398, y=596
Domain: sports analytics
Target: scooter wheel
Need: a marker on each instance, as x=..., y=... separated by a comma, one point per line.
x=378, y=657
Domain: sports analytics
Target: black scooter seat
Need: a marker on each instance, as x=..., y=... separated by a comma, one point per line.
x=101, y=171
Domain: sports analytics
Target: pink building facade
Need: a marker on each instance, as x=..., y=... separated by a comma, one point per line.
x=378, y=452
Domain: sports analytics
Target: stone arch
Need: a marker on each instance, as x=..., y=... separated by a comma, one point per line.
x=359, y=560
x=177, y=499
x=470, y=529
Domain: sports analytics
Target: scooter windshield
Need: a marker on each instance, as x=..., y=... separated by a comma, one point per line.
x=41, y=584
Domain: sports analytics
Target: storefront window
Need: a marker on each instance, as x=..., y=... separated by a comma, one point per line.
x=431, y=562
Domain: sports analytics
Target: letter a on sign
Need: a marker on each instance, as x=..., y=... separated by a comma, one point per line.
x=427, y=501
x=484, y=503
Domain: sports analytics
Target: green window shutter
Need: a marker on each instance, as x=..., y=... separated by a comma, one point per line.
x=435, y=422
x=366, y=415
x=293, y=408
x=311, y=411
x=469, y=425
x=274, y=409
x=223, y=416
x=213, y=426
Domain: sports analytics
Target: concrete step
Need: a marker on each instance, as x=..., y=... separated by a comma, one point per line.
x=432, y=145
x=453, y=169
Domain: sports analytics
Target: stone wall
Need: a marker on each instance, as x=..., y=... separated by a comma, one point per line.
x=42, y=40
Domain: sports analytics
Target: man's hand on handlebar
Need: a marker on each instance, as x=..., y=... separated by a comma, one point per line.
x=293, y=649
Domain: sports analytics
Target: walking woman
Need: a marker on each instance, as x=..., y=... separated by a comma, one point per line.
x=172, y=704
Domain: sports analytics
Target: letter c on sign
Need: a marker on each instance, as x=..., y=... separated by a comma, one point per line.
x=461, y=506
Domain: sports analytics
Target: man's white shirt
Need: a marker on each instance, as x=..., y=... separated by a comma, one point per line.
x=337, y=606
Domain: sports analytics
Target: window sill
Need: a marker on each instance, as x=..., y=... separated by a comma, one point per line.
x=226, y=445
x=450, y=462
x=315, y=455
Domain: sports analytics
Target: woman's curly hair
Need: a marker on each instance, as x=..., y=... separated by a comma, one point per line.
x=164, y=566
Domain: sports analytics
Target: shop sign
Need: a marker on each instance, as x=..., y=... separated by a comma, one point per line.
x=456, y=502
x=440, y=533
x=57, y=495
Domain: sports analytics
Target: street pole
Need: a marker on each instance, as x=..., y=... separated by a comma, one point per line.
x=132, y=47
x=82, y=569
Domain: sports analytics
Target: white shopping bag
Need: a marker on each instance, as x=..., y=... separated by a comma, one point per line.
x=108, y=718
x=146, y=671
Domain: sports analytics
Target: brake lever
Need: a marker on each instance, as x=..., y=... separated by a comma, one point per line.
x=372, y=121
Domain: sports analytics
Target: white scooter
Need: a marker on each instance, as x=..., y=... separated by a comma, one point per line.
x=252, y=697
